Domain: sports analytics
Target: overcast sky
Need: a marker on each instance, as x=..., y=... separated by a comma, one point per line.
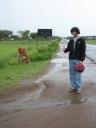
x=60, y=15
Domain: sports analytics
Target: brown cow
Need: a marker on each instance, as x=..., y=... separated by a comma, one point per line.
x=23, y=55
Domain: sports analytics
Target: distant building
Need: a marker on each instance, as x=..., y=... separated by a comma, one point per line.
x=45, y=32
x=91, y=37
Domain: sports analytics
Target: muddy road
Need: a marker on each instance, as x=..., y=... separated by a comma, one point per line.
x=46, y=102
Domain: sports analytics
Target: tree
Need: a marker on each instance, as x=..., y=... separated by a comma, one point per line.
x=33, y=35
x=24, y=34
x=14, y=37
x=5, y=34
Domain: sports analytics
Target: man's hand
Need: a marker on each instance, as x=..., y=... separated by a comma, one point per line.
x=81, y=62
x=63, y=49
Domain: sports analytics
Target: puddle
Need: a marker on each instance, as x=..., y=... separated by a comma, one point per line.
x=57, y=76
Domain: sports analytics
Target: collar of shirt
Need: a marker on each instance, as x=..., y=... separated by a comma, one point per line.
x=76, y=38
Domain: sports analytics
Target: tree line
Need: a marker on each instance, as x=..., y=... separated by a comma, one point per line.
x=26, y=34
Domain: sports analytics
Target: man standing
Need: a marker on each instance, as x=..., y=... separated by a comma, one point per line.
x=76, y=48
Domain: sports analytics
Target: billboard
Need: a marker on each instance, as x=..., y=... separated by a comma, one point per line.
x=45, y=32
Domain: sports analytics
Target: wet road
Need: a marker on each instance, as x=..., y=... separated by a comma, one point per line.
x=46, y=102
x=91, y=52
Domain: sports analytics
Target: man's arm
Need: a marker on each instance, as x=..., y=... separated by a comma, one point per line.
x=83, y=50
x=66, y=49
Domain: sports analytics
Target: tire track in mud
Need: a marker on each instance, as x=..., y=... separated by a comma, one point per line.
x=51, y=92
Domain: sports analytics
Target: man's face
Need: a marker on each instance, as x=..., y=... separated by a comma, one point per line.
x=74, y=34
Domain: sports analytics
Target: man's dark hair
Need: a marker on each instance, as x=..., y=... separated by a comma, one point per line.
x=75, y=29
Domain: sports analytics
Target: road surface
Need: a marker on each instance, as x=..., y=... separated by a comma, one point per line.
x=46, y=102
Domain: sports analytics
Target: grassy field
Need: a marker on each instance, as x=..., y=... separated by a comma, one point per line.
x=91, y=42
x=11, y=71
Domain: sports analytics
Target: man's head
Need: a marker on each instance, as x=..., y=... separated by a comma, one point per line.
x=75, y=31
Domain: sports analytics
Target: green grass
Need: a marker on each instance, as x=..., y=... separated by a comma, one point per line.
x=93, y=42
x=11, y=71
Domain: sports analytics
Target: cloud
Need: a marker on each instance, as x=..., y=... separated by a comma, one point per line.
x=60, y=15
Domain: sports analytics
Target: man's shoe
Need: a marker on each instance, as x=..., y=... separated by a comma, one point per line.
x=72, y=90
x=78, y=91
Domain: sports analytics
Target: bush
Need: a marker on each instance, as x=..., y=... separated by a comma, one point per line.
x=43, y=52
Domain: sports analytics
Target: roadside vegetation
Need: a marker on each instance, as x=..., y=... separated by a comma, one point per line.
x=93, y=42
x=11, y=71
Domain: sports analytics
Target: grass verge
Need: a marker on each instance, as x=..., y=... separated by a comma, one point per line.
x=11, y=72
x=93, y=42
